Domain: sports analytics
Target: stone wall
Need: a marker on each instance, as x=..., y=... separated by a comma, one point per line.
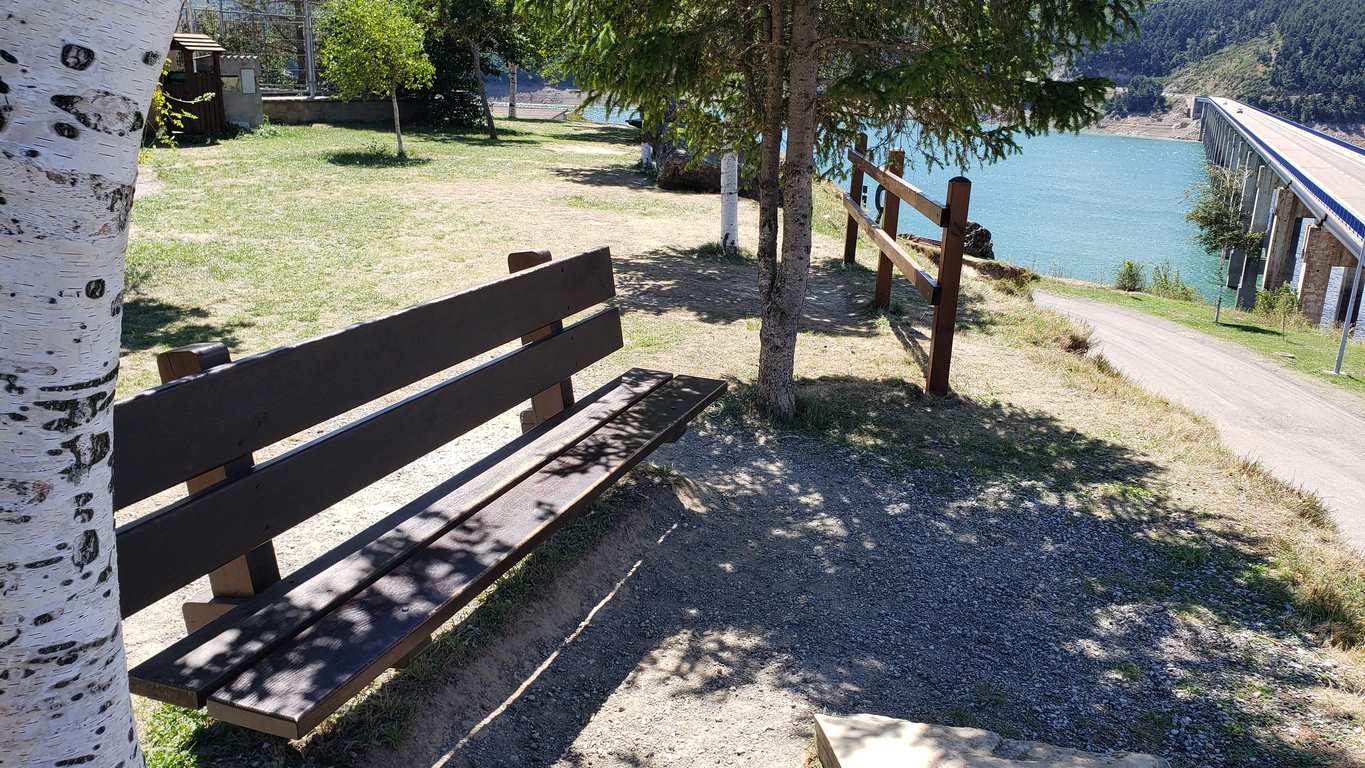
x=294, y=110
x=1321, y=252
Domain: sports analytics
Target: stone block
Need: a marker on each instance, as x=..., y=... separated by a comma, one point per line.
x=873, y=741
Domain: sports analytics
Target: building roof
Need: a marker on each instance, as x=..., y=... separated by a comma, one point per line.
x=191, y=41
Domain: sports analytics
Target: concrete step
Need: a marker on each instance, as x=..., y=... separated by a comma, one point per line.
x=873, y=741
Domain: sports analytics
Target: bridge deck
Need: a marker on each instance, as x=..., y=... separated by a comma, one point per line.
x=1338, y=170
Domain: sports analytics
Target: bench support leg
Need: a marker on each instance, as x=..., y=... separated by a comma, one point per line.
x=556, y=398
x=257, y=569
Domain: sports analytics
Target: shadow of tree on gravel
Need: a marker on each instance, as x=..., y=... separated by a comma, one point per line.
x=1089, y=609
x=1061, y=591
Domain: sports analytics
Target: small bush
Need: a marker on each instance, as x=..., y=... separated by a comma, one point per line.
x=1131, y=276
x=1279, y=304
x=1167, y=283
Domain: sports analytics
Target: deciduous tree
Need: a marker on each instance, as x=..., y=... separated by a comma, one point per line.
x=961, y=78
x=76, y=77
x=374, y=47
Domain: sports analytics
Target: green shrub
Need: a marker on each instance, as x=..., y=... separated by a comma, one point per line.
x=1278, y=304
x=1131, y=276
x=1166, y=282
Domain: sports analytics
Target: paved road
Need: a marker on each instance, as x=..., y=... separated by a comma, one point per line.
x=1338, y=170
x=1306, y=432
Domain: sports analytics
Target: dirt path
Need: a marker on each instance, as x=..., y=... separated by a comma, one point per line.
x=1304, y=432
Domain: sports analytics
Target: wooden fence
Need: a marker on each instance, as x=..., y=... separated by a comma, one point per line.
x=942, y=291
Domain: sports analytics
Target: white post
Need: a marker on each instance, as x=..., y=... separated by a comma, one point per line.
x=646, y=155
x=729, y=202
x=1350, y=309
x=512, y=94
x=310, y=57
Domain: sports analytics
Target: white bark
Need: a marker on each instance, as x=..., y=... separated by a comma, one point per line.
x=729, y=202
x=77, y=77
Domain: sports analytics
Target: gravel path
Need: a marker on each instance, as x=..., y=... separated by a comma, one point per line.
x=788, y=577
x=1305, y=432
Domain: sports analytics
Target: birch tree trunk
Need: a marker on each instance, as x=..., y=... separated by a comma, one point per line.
x=75, y=79
x=786, y=293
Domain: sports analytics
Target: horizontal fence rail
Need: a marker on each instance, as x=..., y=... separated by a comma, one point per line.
x=940, y=292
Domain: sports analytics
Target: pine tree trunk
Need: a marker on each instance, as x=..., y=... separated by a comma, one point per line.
x=770, y=157
x=76, y=77
x=397, y=125
x=787, y=291
x=476, y=69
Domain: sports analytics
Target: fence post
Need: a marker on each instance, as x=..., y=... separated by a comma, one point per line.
x=949, y=281
x=891, y=213
x=855, y=191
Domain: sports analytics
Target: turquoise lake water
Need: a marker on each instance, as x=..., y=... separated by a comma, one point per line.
x=1077, y=205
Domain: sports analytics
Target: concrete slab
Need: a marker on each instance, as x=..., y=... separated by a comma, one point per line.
x=873, y=741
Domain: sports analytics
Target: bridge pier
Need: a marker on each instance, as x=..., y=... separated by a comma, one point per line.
x=1249, y=164
x=1283, y=242
x=1322, y=251
x=1260, y=220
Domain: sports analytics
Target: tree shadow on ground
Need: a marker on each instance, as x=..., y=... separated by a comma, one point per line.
x=374, y=158
x=1252, y=329
x=616, y=175
x=838, y=297
x=150, y=323
x=606, y=134
x=1050, y=596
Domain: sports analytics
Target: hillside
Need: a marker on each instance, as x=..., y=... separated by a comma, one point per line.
x=1301, y=58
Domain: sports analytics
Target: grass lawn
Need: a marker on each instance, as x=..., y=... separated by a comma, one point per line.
x=1176, y=600
x=1301, y=348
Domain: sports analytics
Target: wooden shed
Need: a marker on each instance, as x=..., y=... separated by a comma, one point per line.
x=199, y=73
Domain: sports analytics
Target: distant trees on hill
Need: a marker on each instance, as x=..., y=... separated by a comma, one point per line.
x=1316, y=72
x=1142, y=96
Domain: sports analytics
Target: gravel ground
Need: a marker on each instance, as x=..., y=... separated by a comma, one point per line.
x=791, y=577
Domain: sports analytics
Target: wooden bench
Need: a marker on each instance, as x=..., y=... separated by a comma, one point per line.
x=280, y=654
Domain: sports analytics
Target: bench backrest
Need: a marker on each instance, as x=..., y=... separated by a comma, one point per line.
x=182, y=429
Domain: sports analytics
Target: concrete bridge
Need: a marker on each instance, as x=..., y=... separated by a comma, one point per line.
x=1306, y=191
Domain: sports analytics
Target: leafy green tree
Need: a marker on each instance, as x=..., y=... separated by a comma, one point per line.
x=963, y=78
x=1217, y=212
x=1142, y=96
x=373, y=47
x=483, y=35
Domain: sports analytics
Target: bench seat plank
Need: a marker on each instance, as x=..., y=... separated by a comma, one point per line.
x=163, y=551
x=290, y=691
x=188, y=671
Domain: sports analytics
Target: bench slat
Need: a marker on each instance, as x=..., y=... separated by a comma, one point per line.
x=163, y=551
x=290, y=691
x=281, y=392
x=188, y=671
